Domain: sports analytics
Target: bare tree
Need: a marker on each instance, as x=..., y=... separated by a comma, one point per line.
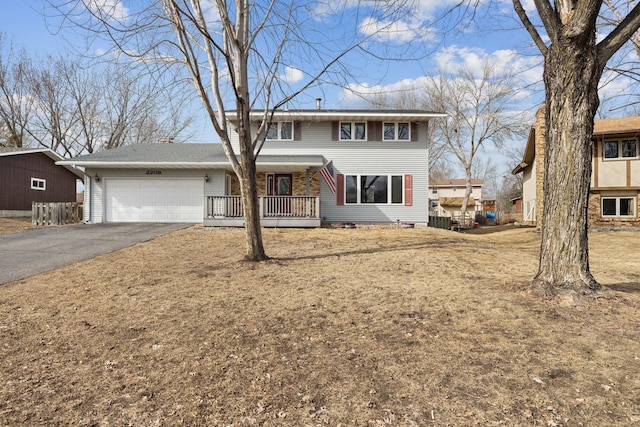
x=573, y=64
x=236, y=55
x=414, y=99
x=478, y=110
x=16, y=103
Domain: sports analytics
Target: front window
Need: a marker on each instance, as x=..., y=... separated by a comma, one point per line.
x=374, y=189
x=396, y=131
x=618, y=206
x=353, y=131
x=627, y=148
x=280, y=131
x=38, y=184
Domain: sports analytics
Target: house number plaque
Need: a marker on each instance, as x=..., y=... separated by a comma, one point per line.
x=153, y=172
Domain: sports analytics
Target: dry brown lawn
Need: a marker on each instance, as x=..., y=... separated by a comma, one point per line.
x=15, y=225
x=364, y=327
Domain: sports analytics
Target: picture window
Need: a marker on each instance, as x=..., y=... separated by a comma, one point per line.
x=374, y=189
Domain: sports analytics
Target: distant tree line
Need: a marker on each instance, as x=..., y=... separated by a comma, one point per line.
x=74, y=104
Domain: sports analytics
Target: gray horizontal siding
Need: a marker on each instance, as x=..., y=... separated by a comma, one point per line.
x=365, y=158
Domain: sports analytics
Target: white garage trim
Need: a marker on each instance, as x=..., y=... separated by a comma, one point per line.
x=154, y=200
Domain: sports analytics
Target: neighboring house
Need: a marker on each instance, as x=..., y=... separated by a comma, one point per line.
x=615, y=178
x=447, y=195
x=316, y=166
x=31, y=175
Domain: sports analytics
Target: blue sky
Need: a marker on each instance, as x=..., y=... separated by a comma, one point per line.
x=496, y=33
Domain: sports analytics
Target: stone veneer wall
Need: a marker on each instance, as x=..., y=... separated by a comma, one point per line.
x=299, y=184
x=540, y=131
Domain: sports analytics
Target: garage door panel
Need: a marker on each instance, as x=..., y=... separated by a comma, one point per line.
x=154, y=200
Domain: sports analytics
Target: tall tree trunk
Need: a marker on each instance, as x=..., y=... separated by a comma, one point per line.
x=571, y=76
x=467, y=193
x=249, y=191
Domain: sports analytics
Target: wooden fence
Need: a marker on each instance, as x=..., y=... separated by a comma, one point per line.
x=440, y=222
x=57, y=213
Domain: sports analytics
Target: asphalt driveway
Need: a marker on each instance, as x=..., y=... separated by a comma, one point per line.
x=37, y=251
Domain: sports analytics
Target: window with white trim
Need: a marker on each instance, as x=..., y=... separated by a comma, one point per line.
x=620, y=149
x=353, y=131
x=618, y=207
x=280, y=131
x=38, y=184
x=370, y=189
x=396, y=131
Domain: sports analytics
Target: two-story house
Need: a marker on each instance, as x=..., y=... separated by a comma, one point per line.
x=316, y=166
x=446, y=197
x=615, y=176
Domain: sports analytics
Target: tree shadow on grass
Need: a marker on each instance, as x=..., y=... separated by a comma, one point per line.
x=388, y=248
x=630, y=287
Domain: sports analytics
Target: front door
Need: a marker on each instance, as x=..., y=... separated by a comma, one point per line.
x=282, y=188
x=283, y=184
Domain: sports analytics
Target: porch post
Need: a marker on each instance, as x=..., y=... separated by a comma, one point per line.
x=308, y=186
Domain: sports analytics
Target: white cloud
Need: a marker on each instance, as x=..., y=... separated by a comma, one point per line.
x=399, y=31
x=292, y=75
x=454, y=59
x=113, y=10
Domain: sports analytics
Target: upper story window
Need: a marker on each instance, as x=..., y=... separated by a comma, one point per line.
x=38, y=184
x=281, y=131
x=434, y=190
x=626, y=148
x=396, y=131
x=353, y=131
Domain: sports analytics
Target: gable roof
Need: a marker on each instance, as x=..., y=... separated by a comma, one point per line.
x=19, y=151
x=181, y=156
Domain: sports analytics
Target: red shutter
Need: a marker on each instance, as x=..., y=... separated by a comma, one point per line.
x=374, y=131
x=408, y=190
x=340, y=190
x=335, y=131
x=297, y=131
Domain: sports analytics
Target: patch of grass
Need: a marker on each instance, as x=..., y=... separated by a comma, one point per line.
x=15, y=225
x=344, y=327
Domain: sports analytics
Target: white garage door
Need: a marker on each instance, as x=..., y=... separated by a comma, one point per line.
x=154, y=200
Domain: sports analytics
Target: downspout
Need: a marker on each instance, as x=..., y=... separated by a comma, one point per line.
x=86, y=203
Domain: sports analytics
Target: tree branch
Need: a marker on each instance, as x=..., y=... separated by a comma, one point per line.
x=623, y=32
x=517, y=5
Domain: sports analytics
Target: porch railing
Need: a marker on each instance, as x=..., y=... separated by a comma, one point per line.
x=270, y=207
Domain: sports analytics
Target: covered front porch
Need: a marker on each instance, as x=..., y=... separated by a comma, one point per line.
x=275, y=211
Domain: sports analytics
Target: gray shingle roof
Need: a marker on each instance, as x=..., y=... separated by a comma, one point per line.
x=177, y=155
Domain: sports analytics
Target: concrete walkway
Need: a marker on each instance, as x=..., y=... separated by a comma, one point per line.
x=32, y=252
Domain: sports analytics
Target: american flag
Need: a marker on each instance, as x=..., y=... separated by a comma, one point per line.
x=327, y=174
